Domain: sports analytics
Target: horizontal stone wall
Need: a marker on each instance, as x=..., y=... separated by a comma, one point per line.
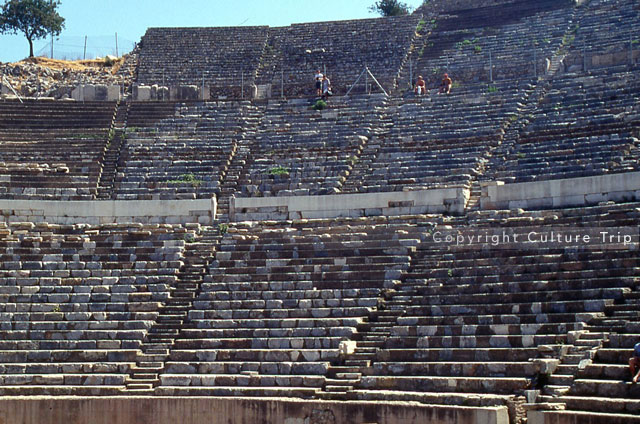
x=449, y=200
x=570, y=192
x=575, y=62
x=157, y=410
x=145, y=93
x=572, y=417
x=101, y=93
x=109, y=211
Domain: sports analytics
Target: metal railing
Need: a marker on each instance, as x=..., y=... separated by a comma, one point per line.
x=4, y=81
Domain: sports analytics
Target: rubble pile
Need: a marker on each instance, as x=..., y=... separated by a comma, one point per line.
x=41, y=77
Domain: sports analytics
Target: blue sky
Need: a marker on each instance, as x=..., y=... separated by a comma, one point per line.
x=130, y=19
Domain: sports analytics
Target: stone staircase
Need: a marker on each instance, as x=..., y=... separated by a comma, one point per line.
x=594, y=376
x=369, y=337
x=172, y=318
x=577, y=357
x=238, y=160
x=117, y=135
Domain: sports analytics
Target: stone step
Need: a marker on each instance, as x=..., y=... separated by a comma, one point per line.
x=358, y=363
x=170, y=321
x=370, y=343
x=340, y=389
x=555, y=390
x=144, y=359
x=142, y=387
x=143, y=376
x=156, y=351
x=594, y=336
x=146, y=364
x=348, y=375
x=561, y=380
x=587, y=343
x=564, y=369
x=337, y=369
x=572, y=358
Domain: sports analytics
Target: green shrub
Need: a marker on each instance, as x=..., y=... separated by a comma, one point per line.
x=319, y=105
x=187, y=179
x=279, y=170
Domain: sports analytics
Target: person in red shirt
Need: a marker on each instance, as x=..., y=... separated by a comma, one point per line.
x=420, y=87
x=445, y=86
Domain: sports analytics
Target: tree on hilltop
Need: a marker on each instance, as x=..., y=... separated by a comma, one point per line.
x=34, y=18
x=390, y=8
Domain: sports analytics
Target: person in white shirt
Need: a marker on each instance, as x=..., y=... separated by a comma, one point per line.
x=319, y=77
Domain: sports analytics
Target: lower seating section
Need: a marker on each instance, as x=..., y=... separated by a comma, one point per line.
x=600, y=381
x=583, y=126
x=299, y=151
x=480, y=320
x=603, y=382
x=76, y=302
x=280, y=298
x=343, y=48
x=52, y=150
x=441, y=141
x=184, y=155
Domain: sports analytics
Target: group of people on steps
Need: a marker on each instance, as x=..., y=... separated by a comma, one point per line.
x=323, y=85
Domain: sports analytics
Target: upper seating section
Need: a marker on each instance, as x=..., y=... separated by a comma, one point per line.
x=76, y=302
x=583, y=126
x=608, y=27
x=343, y=48
x=299, y=151
x=52, y=150
x=279, y=299
x=183, y=155
x=184, y=56
x=460, y=42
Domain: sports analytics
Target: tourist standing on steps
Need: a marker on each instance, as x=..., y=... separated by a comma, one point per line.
x=445, y=85
x=421, y=87
x=326, y=88
x=319, y=77
x=634, y=364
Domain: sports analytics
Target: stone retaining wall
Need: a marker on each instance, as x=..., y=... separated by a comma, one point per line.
x=561, y=193
x=450, y=200
x=576, y=62
x=154, y=410
x=106, y=212
x=571, y=417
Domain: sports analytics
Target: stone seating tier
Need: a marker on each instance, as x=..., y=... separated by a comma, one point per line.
x=185, y=154
x=437, y=141
x=179, y=56
x=298, y=151
x=52, y=151
x=78, y=301
x=606, y=27
x=481, y=321
x=265, y=309
x=295, y=53
x=459, y=42
x=583, y=126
